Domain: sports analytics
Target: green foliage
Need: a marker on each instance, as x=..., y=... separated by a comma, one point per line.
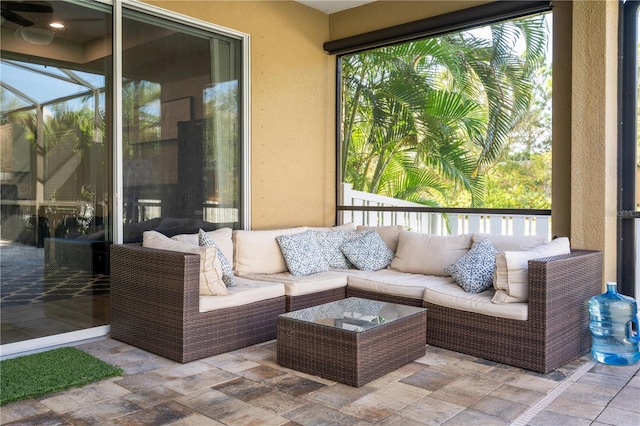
x=77, y=125
x=38, y=374
x=523, y=183
x=140, y=111
x=424, y=121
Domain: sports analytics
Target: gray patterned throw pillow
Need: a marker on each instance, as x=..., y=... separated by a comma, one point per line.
x=228, y=278
x=302, y=254
x=474, y=270
x=369, y=253
x=330, y=243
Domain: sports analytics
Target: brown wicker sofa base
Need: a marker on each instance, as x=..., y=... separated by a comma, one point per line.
x=555, y=333
x=295, y=303
x=155, y=306
x=389, y=298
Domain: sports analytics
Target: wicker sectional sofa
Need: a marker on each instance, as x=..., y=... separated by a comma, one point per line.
x=157, y=303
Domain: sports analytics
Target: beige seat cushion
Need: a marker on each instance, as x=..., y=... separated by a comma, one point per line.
x=308, y=284
x=429, y=254
x=258, y=252
x=449, y=294
x=211, y=283
x=395, y=283
x=443, y=291
x=511, y=276
x=244, y=292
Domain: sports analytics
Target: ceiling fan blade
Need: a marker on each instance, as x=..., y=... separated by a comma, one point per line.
x=27, y=7
x=16, y=19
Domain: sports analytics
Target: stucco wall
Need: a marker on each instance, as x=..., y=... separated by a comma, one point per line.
x=292, y=107
x=594, y=108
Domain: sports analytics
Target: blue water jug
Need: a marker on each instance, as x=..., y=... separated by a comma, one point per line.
x=614, y=327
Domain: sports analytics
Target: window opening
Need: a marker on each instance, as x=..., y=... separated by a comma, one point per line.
x=460, y=120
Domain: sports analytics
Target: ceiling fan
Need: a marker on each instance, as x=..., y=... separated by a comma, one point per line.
x=9, y=9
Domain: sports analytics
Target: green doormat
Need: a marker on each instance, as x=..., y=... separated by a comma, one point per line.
x=52, y=371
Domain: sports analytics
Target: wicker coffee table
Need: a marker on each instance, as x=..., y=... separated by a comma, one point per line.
x=352, y=341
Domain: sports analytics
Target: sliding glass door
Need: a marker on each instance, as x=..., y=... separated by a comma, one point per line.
x=178, y=153
x=55, y=170
x=181, y=128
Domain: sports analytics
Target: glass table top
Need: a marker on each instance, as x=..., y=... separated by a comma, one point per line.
x=353, y=313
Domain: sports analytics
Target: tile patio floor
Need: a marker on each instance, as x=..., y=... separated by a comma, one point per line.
x=247, y=387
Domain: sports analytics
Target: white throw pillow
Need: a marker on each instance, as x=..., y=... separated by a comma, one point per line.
x=429, y=254
x=204, y=240
x=211, y=283
x=511, y=276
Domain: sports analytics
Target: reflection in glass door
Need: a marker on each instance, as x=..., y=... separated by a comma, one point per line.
x=181, y=95
x=55, y=171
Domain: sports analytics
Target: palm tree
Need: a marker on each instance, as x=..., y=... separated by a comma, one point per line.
x=423, y=119
x=141, y=120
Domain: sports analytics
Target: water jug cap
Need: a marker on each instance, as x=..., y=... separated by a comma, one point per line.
x=612, y=283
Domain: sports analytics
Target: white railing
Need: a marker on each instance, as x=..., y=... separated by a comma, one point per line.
x=438, y=223
x=215, y=214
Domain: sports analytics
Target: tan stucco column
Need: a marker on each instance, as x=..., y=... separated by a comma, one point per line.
x=594, y=128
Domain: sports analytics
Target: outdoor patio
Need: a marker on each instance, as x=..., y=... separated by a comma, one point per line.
x=247, y=387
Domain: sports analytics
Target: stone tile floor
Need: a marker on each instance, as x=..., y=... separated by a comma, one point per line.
x=247, y=387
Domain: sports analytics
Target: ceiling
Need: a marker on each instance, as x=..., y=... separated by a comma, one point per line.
x=83, y=23
x=333, y=6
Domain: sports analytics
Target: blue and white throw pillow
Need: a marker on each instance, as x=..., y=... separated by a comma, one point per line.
x=474, y=270
x=330, y=243
x=228, y=278
x=369, y=253
x=302, y=254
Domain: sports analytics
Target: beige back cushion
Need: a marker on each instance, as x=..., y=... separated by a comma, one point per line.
x=429, y=254
x=211, y=283
x=258, y=252
x=344, y=227
x=511, y=275
x=510, y=242
x=389, y=234
x=222, y=238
